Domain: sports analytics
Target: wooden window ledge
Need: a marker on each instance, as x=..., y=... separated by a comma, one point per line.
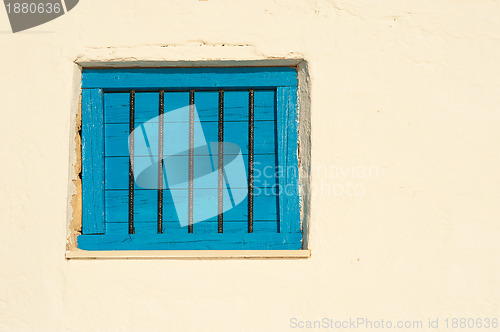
x=187, y=254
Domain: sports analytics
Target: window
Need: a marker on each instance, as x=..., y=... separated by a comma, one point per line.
x=190, y=159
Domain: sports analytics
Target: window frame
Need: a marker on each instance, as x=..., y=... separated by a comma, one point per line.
x=95, y=82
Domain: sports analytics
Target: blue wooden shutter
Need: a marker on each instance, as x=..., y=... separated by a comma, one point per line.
x=93, y=162
x=107, y=101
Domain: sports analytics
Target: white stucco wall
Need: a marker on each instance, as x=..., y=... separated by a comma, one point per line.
x=407, y=88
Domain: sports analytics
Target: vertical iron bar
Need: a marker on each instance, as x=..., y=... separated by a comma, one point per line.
x=220, y=219
x=191, y=160
x=250, y=160
x=131, y=229
x=160, y=163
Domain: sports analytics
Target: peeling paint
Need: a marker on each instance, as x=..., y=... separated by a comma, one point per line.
x=75, y=223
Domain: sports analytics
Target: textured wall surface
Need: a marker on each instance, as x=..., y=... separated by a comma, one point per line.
x=404, y=152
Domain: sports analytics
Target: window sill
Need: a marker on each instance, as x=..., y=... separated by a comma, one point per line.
x=187, y=254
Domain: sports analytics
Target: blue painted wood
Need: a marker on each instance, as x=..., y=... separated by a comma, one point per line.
x=146, y=205
x=146, y=107
x=92, y=162
x=275, y=144
x=189, y=78
x=117, y=107
x=236, y=106
x=206, y=102
x=204, y=227
x=116, y=137
x=288, y=159
x=221, y=241
x=116, y=169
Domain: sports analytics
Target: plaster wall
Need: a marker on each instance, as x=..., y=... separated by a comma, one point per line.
x=404, y=99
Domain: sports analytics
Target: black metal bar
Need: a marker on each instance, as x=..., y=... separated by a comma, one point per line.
x=160, y=163
x=191, y=160
x=250, y=160
x=131, y=229
x=220, y=218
